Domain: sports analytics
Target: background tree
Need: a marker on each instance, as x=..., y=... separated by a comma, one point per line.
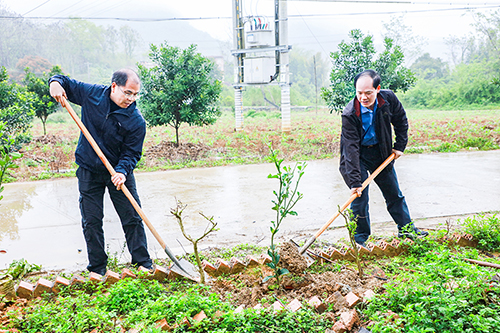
x=356, y=56
x=461, y=49
x=402, y=35
x=427, y=67
x=179, y=88
x=130, y=40
x=42, y=103
x=15, y=111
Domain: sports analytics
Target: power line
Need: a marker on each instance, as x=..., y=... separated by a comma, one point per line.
x=29, y=11
x=228, y=17
x=312, y=33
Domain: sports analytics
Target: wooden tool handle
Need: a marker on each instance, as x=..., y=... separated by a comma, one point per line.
x=354, y=196
x=112, y=171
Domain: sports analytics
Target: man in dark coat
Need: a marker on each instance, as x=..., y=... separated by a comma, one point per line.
x=366, y=141
x=112, y=118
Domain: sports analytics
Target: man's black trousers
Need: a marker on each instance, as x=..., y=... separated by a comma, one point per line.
x=92, y=187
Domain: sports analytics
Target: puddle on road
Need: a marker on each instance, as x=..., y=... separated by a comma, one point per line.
x=40, y=221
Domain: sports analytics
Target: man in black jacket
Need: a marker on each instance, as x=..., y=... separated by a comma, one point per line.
x=366, y=141
x=112, y=118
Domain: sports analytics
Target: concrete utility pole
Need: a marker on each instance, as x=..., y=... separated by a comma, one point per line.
x=238, y=44
x=255, y=64
x=286, y=125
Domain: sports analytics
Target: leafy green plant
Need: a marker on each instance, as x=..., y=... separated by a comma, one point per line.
x=486, y=229
x=351, y=222
x=7, y=155
x=434, y=290
x=20, y=268
x=286, y=198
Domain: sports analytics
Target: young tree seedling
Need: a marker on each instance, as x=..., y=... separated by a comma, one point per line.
x=351, y=223
x=177, y=212
x=286, y=198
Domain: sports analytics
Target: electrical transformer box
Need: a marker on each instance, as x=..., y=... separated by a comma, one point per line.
x=259, y=69
x=260, y=38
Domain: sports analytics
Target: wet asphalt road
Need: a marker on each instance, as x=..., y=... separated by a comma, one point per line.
x=40, y=221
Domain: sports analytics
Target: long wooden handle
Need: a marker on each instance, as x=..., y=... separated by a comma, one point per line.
x=112, y=171
x=367, y=181
x=354, y=196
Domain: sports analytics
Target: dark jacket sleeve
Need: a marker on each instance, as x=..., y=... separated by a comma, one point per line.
x=75, y=90
x=350, y=141
x=132, y=148
x=399, y=122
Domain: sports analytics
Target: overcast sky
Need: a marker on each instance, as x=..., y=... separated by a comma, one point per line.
x=316, y=25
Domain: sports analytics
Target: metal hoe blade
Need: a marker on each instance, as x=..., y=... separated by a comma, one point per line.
x=186, y=269
x=309, y=260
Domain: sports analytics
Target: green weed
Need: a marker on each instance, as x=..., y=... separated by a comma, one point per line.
x=486, y=229
x=433, y=290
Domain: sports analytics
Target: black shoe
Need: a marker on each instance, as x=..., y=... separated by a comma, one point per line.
x=413, y=234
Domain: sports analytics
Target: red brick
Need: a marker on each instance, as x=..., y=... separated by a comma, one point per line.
x=209, y=268
x=338, y=301
x=222, y=267
x=236, y=266
x=163, y=325
x=200, y=316
x=339, y=327
x=258, y=306
x=264, y=259
x=160, y=273
x=377, y=251
x=390, y=251
x=94, y=277
x=218, y=314
x=336, y=255
x=77, y=279
x=111, y=277
x=239, y=308
x=352, y=299
x=127, y=273
x=277, y=306
x=147, y=272
x=42, y=286
x=252, y=262
x=363, y=251
x=60, y=283
x=185, y=322
x=368, y=295
x=318, y=305
x=294, y=305
x=324, y=254
x=349, y=318
x=25, y=290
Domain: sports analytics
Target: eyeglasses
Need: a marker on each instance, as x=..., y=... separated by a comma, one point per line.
x=129, y=95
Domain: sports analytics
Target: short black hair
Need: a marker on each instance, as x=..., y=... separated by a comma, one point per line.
x=121, y=76
x=371, y=73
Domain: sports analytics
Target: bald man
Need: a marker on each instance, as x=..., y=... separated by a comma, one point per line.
x=111, y=116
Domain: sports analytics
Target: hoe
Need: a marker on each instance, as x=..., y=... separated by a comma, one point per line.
x=313, y=238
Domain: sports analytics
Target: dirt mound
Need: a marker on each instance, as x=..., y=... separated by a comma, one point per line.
x=291, y=259
x=49, y=139
x=168, y=150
